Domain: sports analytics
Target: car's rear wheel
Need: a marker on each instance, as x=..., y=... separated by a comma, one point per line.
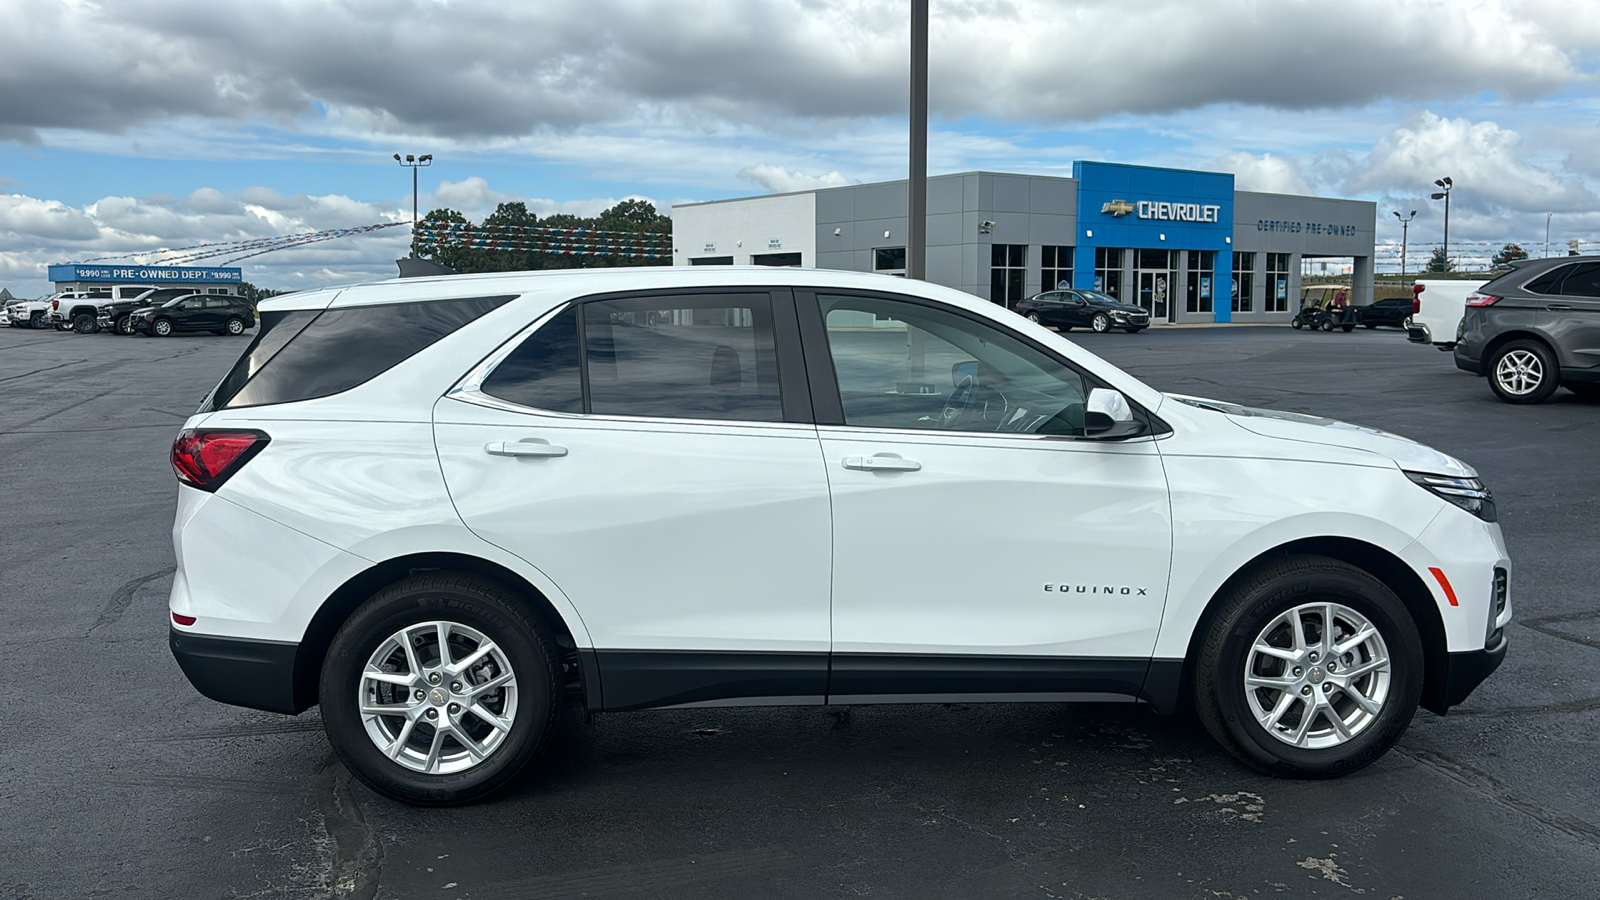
x=1311, y=669
x=1327, y=325
x=161, y=327
x=1523, y=371
x=1033, y=317
x=1101, y=322
x=84, y=323
x=235, y=327
x=439, y=689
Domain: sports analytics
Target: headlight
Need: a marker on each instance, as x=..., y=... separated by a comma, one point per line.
x=1118, y=314
x=1467, y=493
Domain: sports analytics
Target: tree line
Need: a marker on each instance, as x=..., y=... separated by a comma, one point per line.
x=509, y=219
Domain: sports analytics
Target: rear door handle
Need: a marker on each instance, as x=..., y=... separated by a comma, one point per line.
x=1558, y=307
x=881, y=464
x=524, y=447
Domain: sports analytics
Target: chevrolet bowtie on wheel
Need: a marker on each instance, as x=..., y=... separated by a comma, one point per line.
x=442, y=507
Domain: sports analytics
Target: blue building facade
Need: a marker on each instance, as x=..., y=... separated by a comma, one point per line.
x=204, y=279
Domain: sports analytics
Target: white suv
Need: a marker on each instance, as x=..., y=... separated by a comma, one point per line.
x=438, y=506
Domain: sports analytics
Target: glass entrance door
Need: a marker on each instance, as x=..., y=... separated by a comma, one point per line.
x=1155, y=290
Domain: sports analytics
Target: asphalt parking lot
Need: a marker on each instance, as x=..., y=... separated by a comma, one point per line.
x=120, y=780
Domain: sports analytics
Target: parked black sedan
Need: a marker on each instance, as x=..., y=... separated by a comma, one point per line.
x=216, y=313
x=1388, y=311
x=1067, y=310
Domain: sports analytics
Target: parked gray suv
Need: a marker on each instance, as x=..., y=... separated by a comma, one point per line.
x=1535, y=329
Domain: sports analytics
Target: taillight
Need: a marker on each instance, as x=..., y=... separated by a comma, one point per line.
x=205, y=459
x=55, y=304
x=1416, y=297
x=1476, y=299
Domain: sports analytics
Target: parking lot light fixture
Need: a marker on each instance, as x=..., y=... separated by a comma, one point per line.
x=1405, y=230
x=414, y=163
x=1445, y=184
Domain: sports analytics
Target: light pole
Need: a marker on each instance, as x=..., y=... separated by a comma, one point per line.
x=1445, y=185
x=1405, y=230
x=917, y=183
x=1547, y=234
x=414, y=163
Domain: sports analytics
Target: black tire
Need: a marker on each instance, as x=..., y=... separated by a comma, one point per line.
x=1221, y=699
x=465, y=600
x=161, y=327
x=84, y=323
x=1347, y=327
x=1588, y=390
x=36, y=320
x=234, y=327
x=1100, y=323
x=1530, y=362
x=125, y=324
x=1033, y=317
x=1296, y=323
x=1327, y=325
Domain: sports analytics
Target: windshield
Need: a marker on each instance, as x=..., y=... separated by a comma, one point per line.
x=1097, y=297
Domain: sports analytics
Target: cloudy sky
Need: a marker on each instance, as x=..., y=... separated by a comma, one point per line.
x=142, y=124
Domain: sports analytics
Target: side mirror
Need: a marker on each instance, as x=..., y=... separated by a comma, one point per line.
x=1108, y=416
x=962, y=370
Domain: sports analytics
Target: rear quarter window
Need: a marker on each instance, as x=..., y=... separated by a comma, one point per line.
x=306, y=354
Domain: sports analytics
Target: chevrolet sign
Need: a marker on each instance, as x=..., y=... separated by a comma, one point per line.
x=1164, y=211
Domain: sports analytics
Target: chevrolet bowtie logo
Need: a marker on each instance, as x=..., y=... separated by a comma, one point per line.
x=1118, y=208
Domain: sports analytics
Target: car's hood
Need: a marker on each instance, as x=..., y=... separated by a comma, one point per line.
x=1120, y=307
x=1406, y=453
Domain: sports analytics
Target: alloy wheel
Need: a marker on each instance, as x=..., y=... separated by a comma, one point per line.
x=438, y=697
x=1519, y=372
x=1317, y=675
x=1100, y=322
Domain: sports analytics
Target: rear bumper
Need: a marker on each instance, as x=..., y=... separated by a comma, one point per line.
x=242, y=672
x=1466, y=671
x=1465, y=362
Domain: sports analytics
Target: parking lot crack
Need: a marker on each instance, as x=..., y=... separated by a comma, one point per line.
x=1488, y=786
x=122, y=598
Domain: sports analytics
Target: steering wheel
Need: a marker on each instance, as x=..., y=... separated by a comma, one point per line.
x=955, y=405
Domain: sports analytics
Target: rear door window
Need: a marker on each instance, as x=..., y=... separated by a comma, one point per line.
x=680, y=357
x=305, y=354
x=1582, y=281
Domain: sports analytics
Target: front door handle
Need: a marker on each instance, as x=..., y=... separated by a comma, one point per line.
x=1557, y=307
x=881, y=464
x=524, y=447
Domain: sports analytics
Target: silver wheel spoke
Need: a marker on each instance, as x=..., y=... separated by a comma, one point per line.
x=411, y=654
x=431, y=764
x=1279, y=652
x=1275, y=682
x=1360, y=669
x=402, y=679
x=442, y=629
x=1361, y=700
x=386, y=709
x=1298, y=738
x=471, y=659
x=393, y=750
x=1332, y=715
x=473, y=748
x=1354, y=641
x=479, y=690
x=1285, y=700
x=1299, y=629
x=488, y=717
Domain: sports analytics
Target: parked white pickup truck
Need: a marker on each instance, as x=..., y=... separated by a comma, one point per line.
x=1437, y=310
x=81, y=311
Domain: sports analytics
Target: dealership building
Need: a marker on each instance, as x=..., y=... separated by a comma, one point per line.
x=1183, y=244
x=200, y=279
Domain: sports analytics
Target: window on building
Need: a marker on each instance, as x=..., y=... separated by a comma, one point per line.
x=1008, y=268
x=1055, y=268
x=711, y=261
x=776, y=259
x=889, y=261
x=1244, y=281
x=1108, y=270
x=1277, y=282
x=1202, y=272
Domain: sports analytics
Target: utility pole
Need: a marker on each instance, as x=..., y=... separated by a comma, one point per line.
x=917, y=185
x=1405, y=230
x=1547, y=234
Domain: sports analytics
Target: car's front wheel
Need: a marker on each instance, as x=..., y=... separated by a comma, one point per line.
x=125, y=324
x=1311, y=669
x=1101, y=322
x=1523, y=371
x=439, y=689
x=161, y=327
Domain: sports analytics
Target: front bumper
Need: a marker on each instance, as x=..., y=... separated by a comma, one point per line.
x=243, y=672
x=1466, y=671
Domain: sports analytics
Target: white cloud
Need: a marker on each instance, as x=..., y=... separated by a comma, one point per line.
x=1266, y=172
x=778, y=180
